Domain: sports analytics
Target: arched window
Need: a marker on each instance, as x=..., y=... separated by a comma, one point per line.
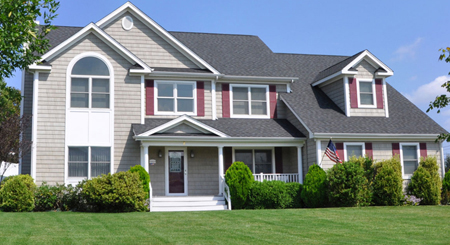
x=89, y=87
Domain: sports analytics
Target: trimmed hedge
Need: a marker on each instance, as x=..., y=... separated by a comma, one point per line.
x=387, y=185
x=143, y=176
x=294, y=190
x=240, y=179
x=426, y=182
x=314, y=193
x=17, y=194
x=446, y=189
x=268, y=195
x=59, y=197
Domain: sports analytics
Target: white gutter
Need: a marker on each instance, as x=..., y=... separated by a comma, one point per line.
x=183, y=74
x=259, y=78
x=375, y=136
x=218, y=139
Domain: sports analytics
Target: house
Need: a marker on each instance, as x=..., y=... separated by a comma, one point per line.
x=124, y=91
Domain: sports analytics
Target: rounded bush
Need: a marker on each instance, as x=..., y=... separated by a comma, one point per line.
x=387, y=185
x=239, y=179
x=17, y=194
x=347, y=185
x=446, y=189
x=294, y=190
x=45, y=198
x=143, y=176
x=314, y=193
x=269, y=195
x=426, y=186
x=120, y=192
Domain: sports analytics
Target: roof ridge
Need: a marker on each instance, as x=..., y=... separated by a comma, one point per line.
x=69, y=26
x=209, y=33
x=334, y=55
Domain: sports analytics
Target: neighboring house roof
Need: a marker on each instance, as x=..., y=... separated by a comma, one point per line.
x=61, y=34
x=234, y=127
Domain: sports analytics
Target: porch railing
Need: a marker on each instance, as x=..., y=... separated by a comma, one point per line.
x=226, y=192
x=282, y=177
x=150, y=203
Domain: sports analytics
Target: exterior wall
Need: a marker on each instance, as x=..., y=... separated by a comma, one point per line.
x=219, y=100
x=203, y=171
x=367, y=112
x=335, y=91
x=147, y=45
x=52, y=111
x=208, y=104
x=290, y=164
x=27, y=110
x=157, y=171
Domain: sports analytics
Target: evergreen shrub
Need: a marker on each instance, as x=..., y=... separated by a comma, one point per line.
x=58, y=197
x=268, y=195
x=426, y=182
x=143, y=176
x=314, y=193
x=239, y=179
x=446, y=189
x=17, y=194
x=387, y=185
x=294, y=190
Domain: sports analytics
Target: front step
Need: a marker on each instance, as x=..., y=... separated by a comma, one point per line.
x=188, y=203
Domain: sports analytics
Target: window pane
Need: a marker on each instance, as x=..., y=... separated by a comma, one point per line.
x=78, y=161
x=244, y=156
x=354, y=150
x=165, y=90
x=79, y=100
x=80, y=85
x=240, y=93
x=366, y=99
x=166, y=105
x=185, y=90
x=90, y=66
x=259, y=108
x=263, y=161
x=409, y=167
x=100, y=100
x=240, y=107
x=365, y=87
x=100, y=85
x=185, y=105
x=100, y=160
x=258, y=93
x=409, y=152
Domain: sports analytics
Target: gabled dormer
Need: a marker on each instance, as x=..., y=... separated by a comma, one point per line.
x=357, y=85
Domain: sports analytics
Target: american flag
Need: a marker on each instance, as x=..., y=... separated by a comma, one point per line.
x=332, y=153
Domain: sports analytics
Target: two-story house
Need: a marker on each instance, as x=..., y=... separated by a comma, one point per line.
x=124, y=91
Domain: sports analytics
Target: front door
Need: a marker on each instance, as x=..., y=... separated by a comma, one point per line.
x=176, y=172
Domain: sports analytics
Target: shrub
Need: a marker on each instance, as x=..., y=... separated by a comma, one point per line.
x=294, y=190
x=426, y=183
x=143, y=176
x=446, y=189
x=268, y=195
x=348, y=185
x=58, y=197
x=314, y=193
x=17, y=194
x=120, y=192
x=240, y=179
x=387, y=185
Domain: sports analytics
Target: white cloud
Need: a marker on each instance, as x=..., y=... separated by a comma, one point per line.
x=407, y=51
x=428, y=92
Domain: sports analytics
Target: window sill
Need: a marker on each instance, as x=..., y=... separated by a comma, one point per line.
x=250, y=116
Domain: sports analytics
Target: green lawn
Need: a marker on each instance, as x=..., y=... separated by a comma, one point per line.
x=382, y=225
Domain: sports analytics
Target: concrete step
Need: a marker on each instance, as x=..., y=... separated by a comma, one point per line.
x=187, y=198
x=188, y=203
x=184, y=208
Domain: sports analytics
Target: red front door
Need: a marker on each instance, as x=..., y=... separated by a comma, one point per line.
x=176, y=172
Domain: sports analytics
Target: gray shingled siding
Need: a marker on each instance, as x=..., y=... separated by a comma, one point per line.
x=335, y=91
x=290, y=164
x=147, y=45
x=208, y=105
x=156, y=171
x=281, y=107
x=203, y=171
x=310, y=153
x=27, y=110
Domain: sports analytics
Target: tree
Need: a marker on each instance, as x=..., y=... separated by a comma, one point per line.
x=22, y=40
x=443, y=100
x=9, y=101
x=447, y=164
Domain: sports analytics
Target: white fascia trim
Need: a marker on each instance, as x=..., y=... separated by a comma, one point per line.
x=366, y=52
x=180, y=120
x=183, y=74
x=259, y=79
x=159, y=30
x=311, y=135
x=217, y=141
x=385, y=98
x=92, y=28
x=376, y=136
x=335, y=75
x=39, y=68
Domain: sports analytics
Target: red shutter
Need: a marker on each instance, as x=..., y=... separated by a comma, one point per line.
x=369, y=150
x=395, y=149
x=278, y=160
x=379, y=92
x=340, y=150
x=225, y=100
x=273, y=101
x=200, y=99
x=423, y=150
x=227, y=158
x=353, y=92
x=149, y=97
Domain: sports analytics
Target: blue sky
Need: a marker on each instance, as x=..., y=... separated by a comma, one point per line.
x=406, y=35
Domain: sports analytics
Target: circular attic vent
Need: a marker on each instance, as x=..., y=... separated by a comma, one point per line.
x=127, y=23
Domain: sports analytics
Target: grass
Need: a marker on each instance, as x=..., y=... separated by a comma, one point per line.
x=374, y=225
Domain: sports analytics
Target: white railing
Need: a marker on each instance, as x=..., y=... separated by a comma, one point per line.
x=150, y=204
x=226, y=192
x=282, y=177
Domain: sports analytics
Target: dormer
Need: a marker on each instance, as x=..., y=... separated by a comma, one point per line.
x=357, y=85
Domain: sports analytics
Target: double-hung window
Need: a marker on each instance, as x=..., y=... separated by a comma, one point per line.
x=249, y=101
x=366, y=93
x=87, y=162
x=175, y=97
x=89, y=87
x=258, y=160
x=356, y=149
x=409, y=158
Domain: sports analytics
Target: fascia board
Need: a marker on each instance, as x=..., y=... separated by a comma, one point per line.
x=159, y=30
x=372, y=57
x=231, y=141
x=389, y=137
x=182, y=75
x=39, y=68
x=258, y=78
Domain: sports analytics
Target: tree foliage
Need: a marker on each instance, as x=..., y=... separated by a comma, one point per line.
x=22, y=40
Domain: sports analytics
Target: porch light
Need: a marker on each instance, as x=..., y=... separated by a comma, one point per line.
x=159, y=153
x=192, y=154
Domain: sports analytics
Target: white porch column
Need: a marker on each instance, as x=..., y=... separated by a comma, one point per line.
x=300, y=164
x=220, y=169
x=144, y=157
x=319, y=153
x=34, y=124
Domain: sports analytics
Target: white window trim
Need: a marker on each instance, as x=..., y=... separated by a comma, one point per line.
x=249, y=86
x=253, y=155
x=408, y=176
x=362, y=144
x=373, y=94
x=194, y=93
x=78, y=179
